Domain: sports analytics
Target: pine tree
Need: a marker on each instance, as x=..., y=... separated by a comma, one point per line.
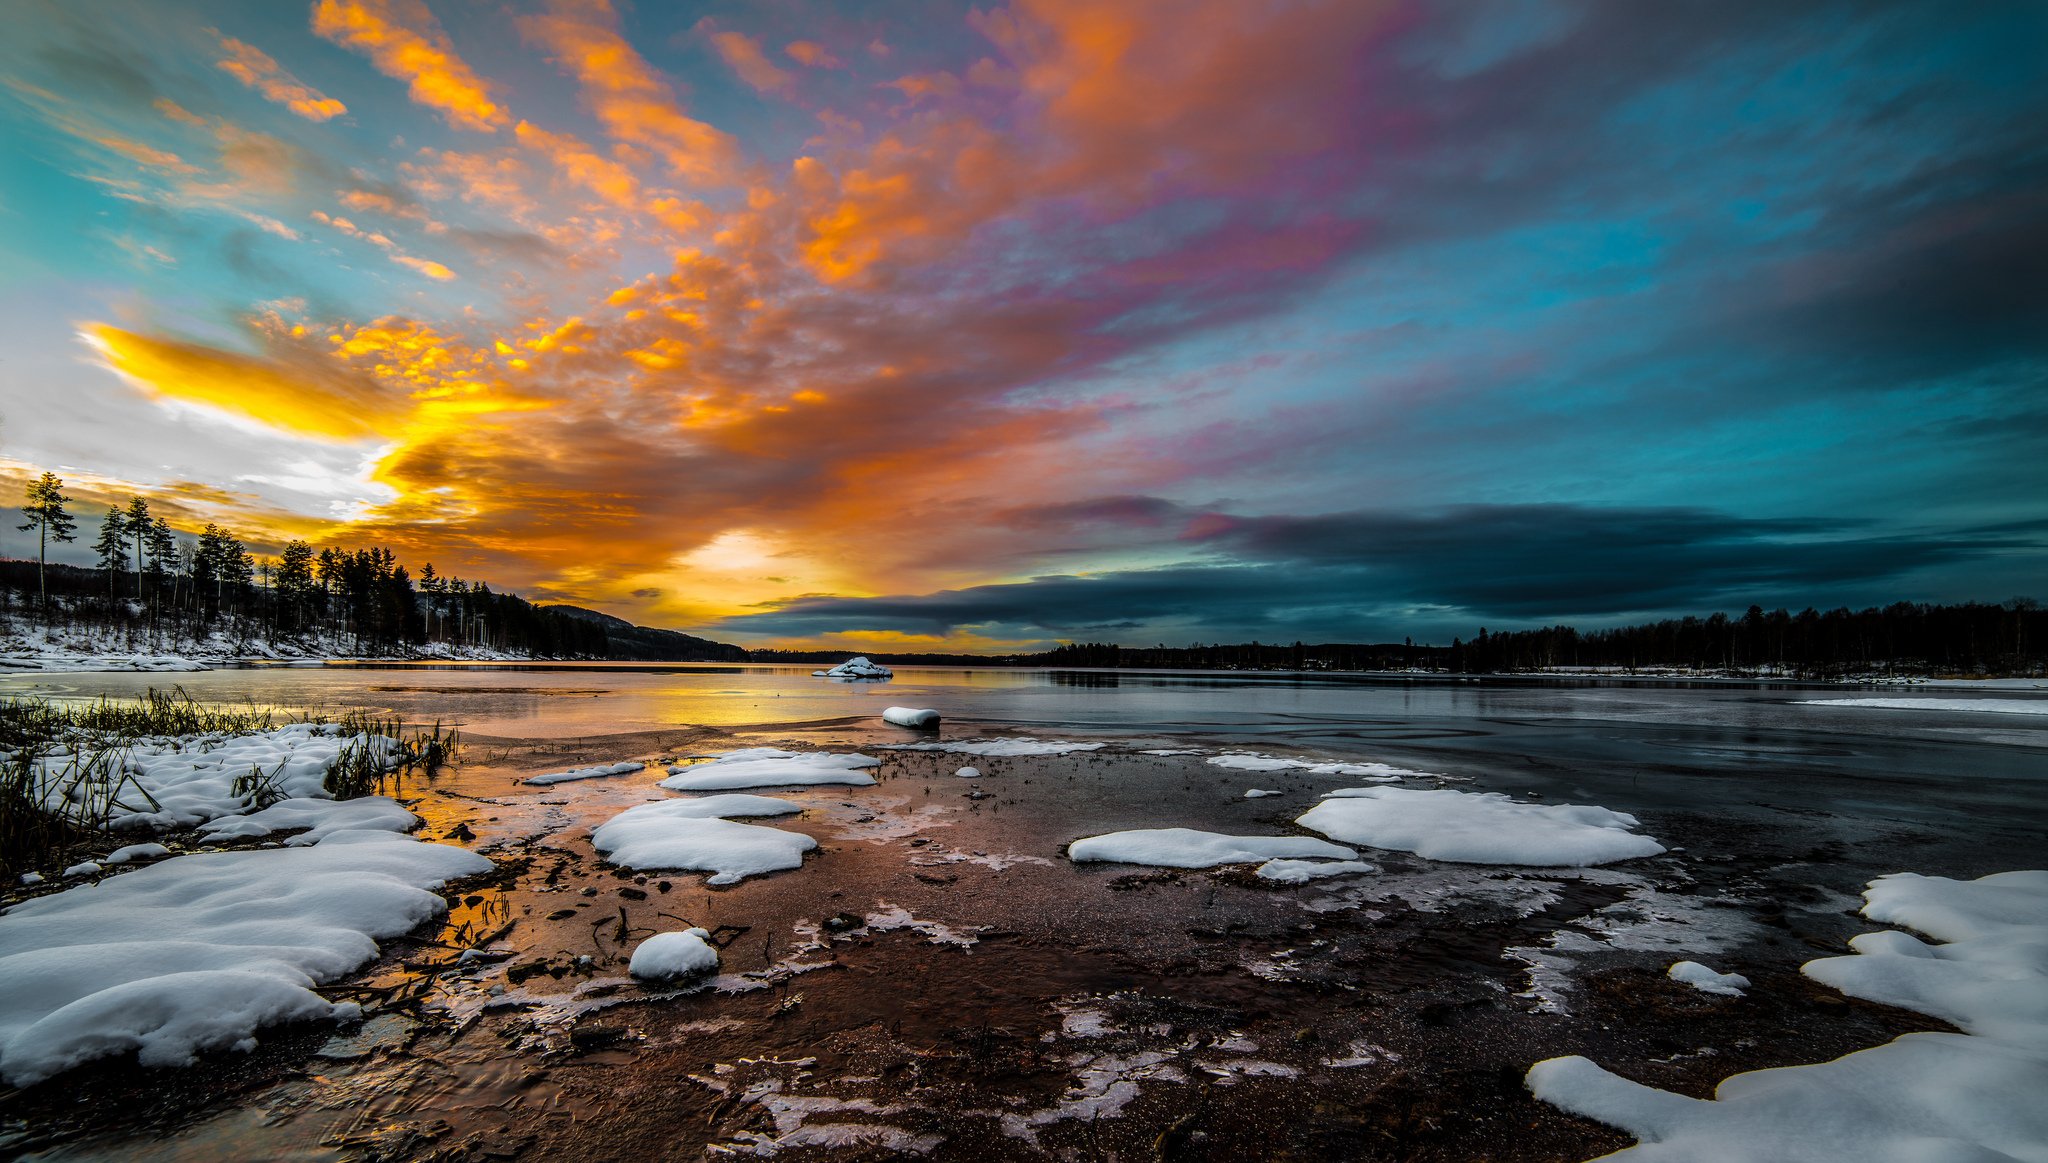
x=112, y=547
x=163, y=552
x=48, y=517
x=139, y=524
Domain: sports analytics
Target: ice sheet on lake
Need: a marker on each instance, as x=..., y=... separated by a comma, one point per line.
x=601, y=771
x=1189, y=848
x=1974, y=1095
x=1479, y=827
x=998, y=747
x=1990, y=706
x=693, y=835
x=199, y=952
x=769, y=767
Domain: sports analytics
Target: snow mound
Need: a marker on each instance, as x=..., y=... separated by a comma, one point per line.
x=1989, y=706
x=915, y=718
x=1970, y=1096
x=969, y=773
x=1478, y=827
x=1249, y=762
x=856, y=667
x=599, y=772
x=1257, y=793
x=693, y=835
x=319, y=818
x=1303, y=871
x=668, y=956
x=1706, y=980
x=999, y=747
x=1188, y=848
x=199, y=952
x=769, y=767
x=135, y=852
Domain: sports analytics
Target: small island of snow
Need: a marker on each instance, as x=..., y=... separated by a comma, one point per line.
x=856, y=667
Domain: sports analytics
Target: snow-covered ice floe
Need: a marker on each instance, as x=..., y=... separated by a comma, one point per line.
x=1706, y=980
x=1478, y=827
x=771, y=767
x=601, y=771
x=1971, y=1096
x=1988, y=706
x=1374, y=771
x=694, y=835
x=668, y=956
x=916, y=718
x=856, y=667
x=198, y=952
x=1303, y=871
x=164, y=782
x=998, y=748
x=1188, y=848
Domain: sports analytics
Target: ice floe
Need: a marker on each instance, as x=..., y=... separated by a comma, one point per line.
x=915, y=718
x=1478, y=827
x=856, y=667
x=599, y=772
x=769, y=767
x=1188, y=848
x=1969, y=1096
x=1988, y=706
x=1303, y=871
x=998, y=747
x=693, y=835
x=199, y=952
x=1706, y=980
x=1244, y=761
x=669, y=956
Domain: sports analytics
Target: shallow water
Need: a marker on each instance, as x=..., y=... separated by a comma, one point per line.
x=998, y=1001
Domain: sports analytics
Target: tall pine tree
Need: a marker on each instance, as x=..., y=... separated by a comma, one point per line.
x=112, y=547
x=138, y=524
x=52, y=522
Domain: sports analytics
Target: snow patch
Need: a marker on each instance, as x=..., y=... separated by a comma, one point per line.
x=1478, y=827
x=669, y=956
x=600, y=772
x=319, y=819
x=769, y=767
x=1188, y=848
x=915, y=718
x=1707, y=980
x=999, y=747
x=693, y=835
x=1303, y=871
x=856, y=667
x=1987, y=706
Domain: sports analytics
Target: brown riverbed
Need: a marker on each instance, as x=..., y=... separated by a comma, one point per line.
x=937, y=979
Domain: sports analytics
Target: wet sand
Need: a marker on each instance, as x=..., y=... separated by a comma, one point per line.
x=937, y=979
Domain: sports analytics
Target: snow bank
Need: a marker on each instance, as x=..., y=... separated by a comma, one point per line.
x=1991, y=706
x=320, y=818
x=1373, y=771
x=1706, y=980
x=1970, y=1096
x=199, y=952
x=998, y=747
x=1303, y=871
x=693, y=835
x=915, y=718
x=599, y=772
x=1188, y=848
x=769, y=767
x=856, y=667
x=1478, y=827
x=668, y=956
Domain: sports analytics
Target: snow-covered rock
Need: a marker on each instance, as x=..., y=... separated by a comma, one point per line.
x=199, y=952
x=694, y=836
x=856, y=667
x=1188, y=848
x=600, y=771
x=1478, y=827
x=915, y=718
x=998, y=747
x=969, y=773
x=670, y=956
x=769, y=767
x=1303, y=871
x=1969, y=1096
x=1706, y=980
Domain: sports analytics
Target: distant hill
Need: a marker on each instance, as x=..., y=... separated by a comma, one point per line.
x=626, y=642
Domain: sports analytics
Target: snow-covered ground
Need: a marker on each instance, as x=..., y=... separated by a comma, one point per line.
x=772, y=767
x=68, y=649
x=1969, y=1096
x=1478, y=827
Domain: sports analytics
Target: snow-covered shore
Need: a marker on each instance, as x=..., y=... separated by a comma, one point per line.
x=71, y=650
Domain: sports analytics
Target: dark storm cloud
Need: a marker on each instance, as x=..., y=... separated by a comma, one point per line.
x=1343, y=572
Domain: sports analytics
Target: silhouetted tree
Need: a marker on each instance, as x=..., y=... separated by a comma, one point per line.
x=112, y=548
x=52, y=522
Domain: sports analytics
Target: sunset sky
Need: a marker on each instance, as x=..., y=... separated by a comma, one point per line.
x=919, y=324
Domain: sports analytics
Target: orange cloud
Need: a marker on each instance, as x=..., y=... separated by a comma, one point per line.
x=307, y=400
x=255, y=68
x=743, y=54
x=811, y=55
x=405, y=42
x=630, y=99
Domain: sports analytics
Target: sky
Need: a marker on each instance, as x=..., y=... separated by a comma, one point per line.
x=923, y=325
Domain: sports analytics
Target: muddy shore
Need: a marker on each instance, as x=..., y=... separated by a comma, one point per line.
x=937, y=979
